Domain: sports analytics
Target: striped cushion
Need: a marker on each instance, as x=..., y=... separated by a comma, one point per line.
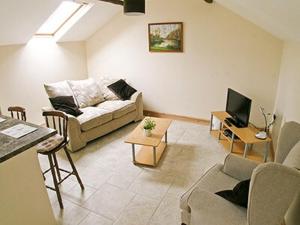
x=49, y=144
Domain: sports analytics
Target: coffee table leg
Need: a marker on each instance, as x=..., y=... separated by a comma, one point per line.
x=166, y=137
x=133, y=153
x=154, y=156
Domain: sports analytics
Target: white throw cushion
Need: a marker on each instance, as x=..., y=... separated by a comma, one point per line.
x=103, y=82
x=61, y=88
x=293, y=158
x=86, y=92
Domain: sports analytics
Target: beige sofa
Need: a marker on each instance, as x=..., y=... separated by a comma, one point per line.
x=100, y=119
x=273, y=187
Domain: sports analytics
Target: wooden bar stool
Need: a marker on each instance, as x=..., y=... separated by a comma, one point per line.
x=59, y=121
x=18, y=111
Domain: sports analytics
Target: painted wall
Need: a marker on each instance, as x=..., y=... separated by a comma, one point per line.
x=287, y=107
x=288, y=104
x=221, y=50
x=25, y=68
x=288, y=98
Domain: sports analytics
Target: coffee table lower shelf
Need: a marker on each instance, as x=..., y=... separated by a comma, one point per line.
x=148, y=155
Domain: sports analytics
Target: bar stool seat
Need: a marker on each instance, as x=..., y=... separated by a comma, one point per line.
x=51, y=143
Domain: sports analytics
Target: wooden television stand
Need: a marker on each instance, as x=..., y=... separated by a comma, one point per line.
x=245, y=135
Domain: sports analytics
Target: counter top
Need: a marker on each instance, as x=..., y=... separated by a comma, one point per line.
x=10, y=147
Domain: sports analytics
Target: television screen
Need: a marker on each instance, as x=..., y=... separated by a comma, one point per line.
x=238, y=106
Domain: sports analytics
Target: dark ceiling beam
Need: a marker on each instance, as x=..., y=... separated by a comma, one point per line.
x=117, y=2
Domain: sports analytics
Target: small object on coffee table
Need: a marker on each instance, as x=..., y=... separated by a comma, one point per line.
x=152, y=147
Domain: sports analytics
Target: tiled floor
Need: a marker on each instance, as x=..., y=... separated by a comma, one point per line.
x=120, y=193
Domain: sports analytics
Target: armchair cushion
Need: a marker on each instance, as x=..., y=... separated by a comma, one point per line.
x=213, y=180
x=210, y=209
x=239, y=194
x=238, y=167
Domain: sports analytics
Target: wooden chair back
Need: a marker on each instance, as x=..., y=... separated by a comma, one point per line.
x=17, y=111
x=58, y=121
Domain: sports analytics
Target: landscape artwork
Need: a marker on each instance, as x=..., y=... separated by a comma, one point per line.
x=166, y=37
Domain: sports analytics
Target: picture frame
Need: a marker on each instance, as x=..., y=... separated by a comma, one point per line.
x=165, y=37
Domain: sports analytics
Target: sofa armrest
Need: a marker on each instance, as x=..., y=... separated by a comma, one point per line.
x=238, y=167
x=137, y=97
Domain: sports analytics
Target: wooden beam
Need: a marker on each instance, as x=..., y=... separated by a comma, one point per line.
x=117, y=2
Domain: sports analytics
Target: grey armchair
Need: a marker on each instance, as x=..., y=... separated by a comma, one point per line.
x=273, y=187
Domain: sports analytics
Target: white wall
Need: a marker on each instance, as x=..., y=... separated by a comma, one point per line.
x=288, y=98
x=287, y=107
x=221, y=50
x=25, y=68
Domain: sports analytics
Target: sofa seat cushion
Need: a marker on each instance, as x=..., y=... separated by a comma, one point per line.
x=118, y=108
x=214, y=180
x=214, y=210
x=93, y=117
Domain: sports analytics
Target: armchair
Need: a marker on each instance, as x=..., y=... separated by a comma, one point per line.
x=272, y=189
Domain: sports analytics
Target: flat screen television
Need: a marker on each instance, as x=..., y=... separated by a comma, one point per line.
x=238, y=107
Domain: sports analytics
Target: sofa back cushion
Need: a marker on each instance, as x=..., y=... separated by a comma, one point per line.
x=103, y=82
x=57, y=89
x=86, y=92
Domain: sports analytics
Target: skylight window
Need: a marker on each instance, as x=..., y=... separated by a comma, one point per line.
x=59, y=18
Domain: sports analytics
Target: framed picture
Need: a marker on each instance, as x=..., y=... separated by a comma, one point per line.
x=165, y=37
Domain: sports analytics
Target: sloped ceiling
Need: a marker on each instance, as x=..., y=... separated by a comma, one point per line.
x=19, y=20
x=93, y=20
x=279, y=17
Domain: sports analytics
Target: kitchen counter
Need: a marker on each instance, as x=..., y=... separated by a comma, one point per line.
x=10, y=147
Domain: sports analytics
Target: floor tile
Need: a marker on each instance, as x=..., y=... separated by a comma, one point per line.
x=93, y=219
x=138, y=212
x=109, y=201
x=168, y=212
x=152, y=184
x=72, y=214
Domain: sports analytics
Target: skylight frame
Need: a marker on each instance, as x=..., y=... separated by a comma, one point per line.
x=64, y=22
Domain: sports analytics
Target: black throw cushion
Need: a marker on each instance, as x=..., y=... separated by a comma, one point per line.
x=65, y=104
x=121, y=89
x=239, y=194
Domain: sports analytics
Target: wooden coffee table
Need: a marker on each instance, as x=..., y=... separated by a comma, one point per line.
x=152, y=147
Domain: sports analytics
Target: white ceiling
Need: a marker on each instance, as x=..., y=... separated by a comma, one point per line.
x=279, y=17
x=19, y=20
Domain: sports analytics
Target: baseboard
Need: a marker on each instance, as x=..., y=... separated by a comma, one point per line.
x=177, y=117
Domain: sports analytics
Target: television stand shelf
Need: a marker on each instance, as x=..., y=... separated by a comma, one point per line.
x=245, y=135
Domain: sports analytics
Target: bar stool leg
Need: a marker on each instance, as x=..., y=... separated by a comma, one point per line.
x=73, y=168
x=55, y=181
x=56, y=166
